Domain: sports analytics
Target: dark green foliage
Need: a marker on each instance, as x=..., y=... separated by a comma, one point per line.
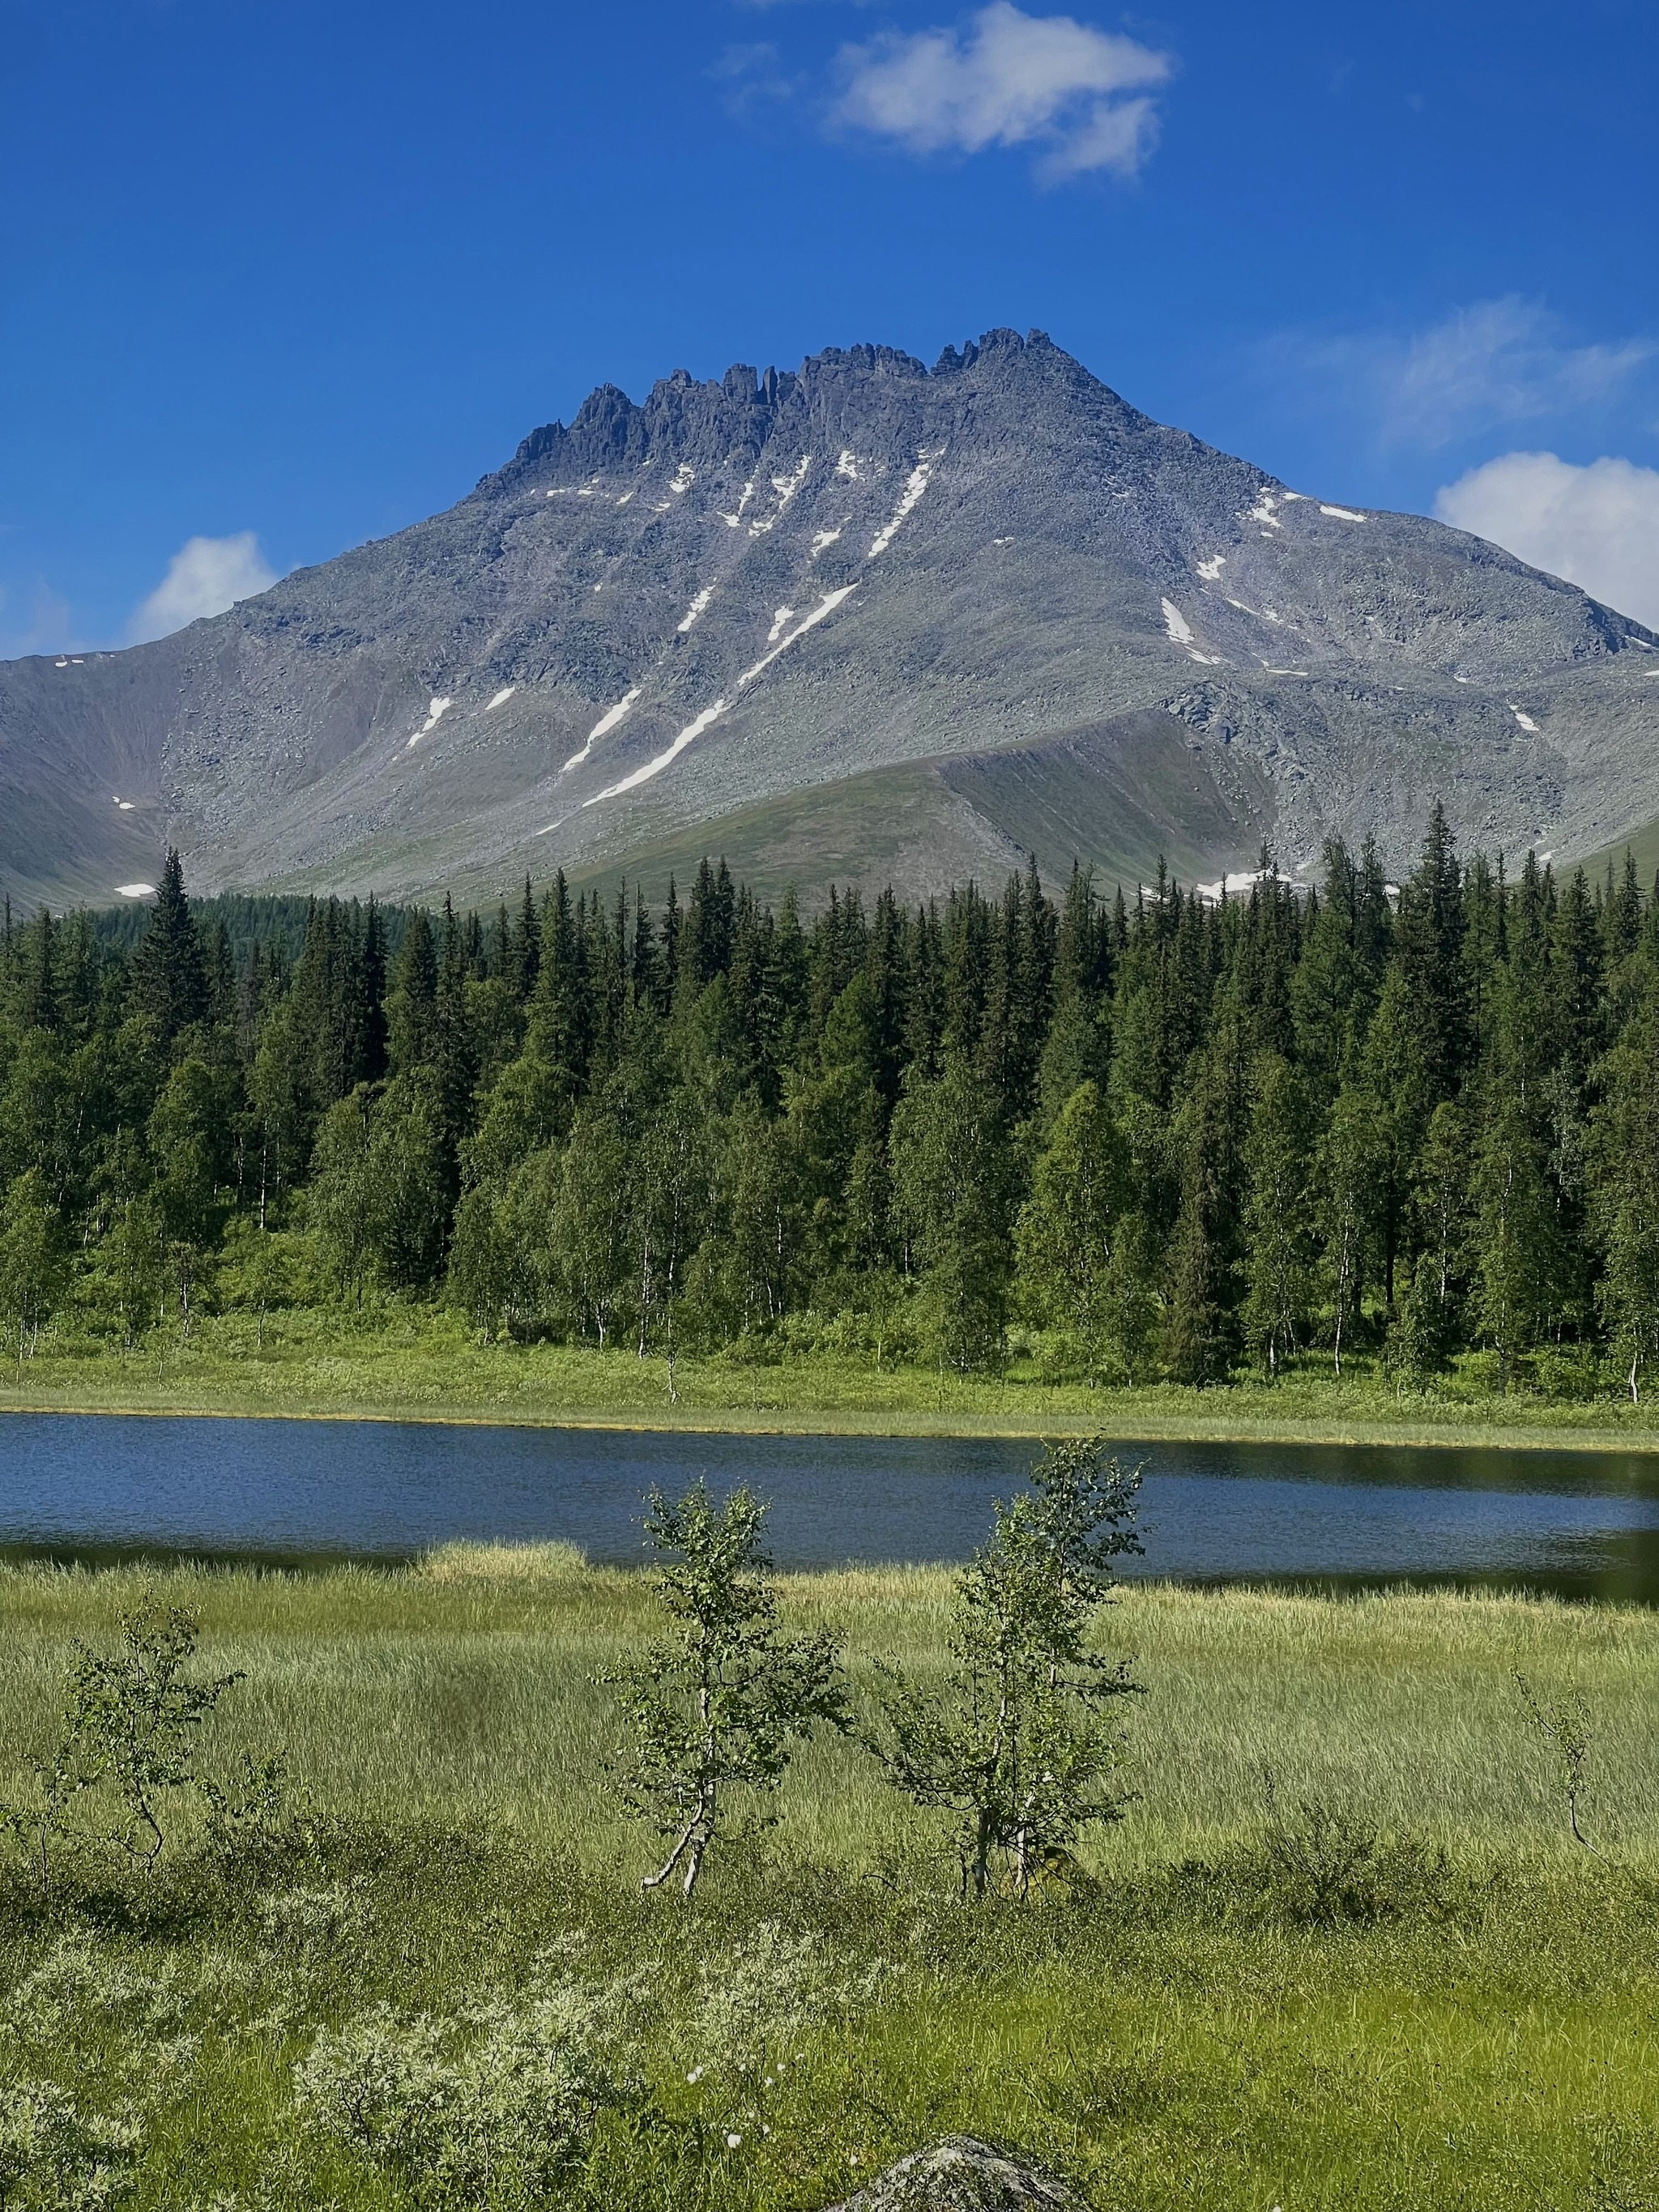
x=1200, y=1326
x=1165, y=1134
x=1277, y=1164
x=1082, y=1261
x=953, y=1190
x=1323, y=1865
x=33, y=1264
x=1421, y=1334
x=169, y=977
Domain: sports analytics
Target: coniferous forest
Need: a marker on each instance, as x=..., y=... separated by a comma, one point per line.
x=1135, y=1135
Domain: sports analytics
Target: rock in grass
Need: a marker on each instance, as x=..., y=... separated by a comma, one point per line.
x=962, y=2174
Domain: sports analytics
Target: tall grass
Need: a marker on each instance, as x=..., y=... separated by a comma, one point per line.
x=1180, y=2034
x=468, y=1684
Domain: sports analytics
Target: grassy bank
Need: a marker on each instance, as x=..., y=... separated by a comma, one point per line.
x=467, y=1686
x=1472, y=2028
x=404, y=1363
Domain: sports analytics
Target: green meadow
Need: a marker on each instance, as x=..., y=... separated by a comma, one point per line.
x=1341, y=1951
x=403, y=1360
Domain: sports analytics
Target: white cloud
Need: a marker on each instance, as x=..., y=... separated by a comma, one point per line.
x=1497, y=361
x=204, y=576
x=1598, y=526
x=1009, y=79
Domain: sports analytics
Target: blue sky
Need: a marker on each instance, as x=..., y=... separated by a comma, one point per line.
x=274, y=279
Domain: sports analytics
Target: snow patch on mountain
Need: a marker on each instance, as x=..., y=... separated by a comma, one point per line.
x=786, y=488
x=915, y=484
x=733, y=520
x=827, y=605
x=436, y=709
x=602, y=728
x=688, y=736
x=1175, y=624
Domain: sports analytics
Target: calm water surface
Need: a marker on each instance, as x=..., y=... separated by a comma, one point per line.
x=1583, y=1523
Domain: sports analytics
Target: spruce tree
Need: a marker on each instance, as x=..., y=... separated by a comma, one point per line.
x=412, y=1000
x=368, y=999
x=1514, y=1246
x=1276, y=1218
x=1199, y=1332
x=1428, y=935
x=1625, y=1196
x=1440, y=1194
x=169, y=977
x=1393, y=1073
x=1077, y=1046
x=1347, y=1185
x=1072, y=1228
x=39, y=1001
x=557, y=1031
x=953, y=1191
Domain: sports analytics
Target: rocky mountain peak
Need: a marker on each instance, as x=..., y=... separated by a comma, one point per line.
x=858, y=618
x=875, y=387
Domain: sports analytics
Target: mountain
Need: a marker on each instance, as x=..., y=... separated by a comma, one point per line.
x=861, y=621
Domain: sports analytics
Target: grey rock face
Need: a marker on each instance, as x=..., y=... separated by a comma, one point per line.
x=962, y=2174
x=1058, y=624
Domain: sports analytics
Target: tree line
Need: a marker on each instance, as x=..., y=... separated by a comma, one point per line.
x=1164, y=1136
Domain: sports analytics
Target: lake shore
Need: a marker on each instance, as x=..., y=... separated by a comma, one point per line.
x=419, y=1367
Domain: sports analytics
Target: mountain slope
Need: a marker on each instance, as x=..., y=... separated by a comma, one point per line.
x=1054, y=621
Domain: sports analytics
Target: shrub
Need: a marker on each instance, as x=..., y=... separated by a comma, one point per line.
x=132, y=1725
x=496, y=2109
x=53, y=2158
x=1320, y=1866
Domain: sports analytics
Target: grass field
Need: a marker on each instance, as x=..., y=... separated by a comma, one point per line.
x=1473, y=2028
x=413, y=1363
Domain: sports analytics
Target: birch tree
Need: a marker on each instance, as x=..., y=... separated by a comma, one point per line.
x=718, y=1707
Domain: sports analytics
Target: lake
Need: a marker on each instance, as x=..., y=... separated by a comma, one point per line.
x=92, y=1486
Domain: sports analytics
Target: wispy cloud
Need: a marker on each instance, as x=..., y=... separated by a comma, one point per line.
x=1597, y=525
x=204, y=576
x=753, y=76
x=35, y=619
x=1494, y=362
x=1081, y=97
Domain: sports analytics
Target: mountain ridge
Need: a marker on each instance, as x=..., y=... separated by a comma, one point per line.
x=767, y=589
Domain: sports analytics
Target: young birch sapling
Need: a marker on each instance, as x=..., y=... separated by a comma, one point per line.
x=1564, y=1726
x=1022, y=1743
x=722, y=1703
x=132, y=1724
